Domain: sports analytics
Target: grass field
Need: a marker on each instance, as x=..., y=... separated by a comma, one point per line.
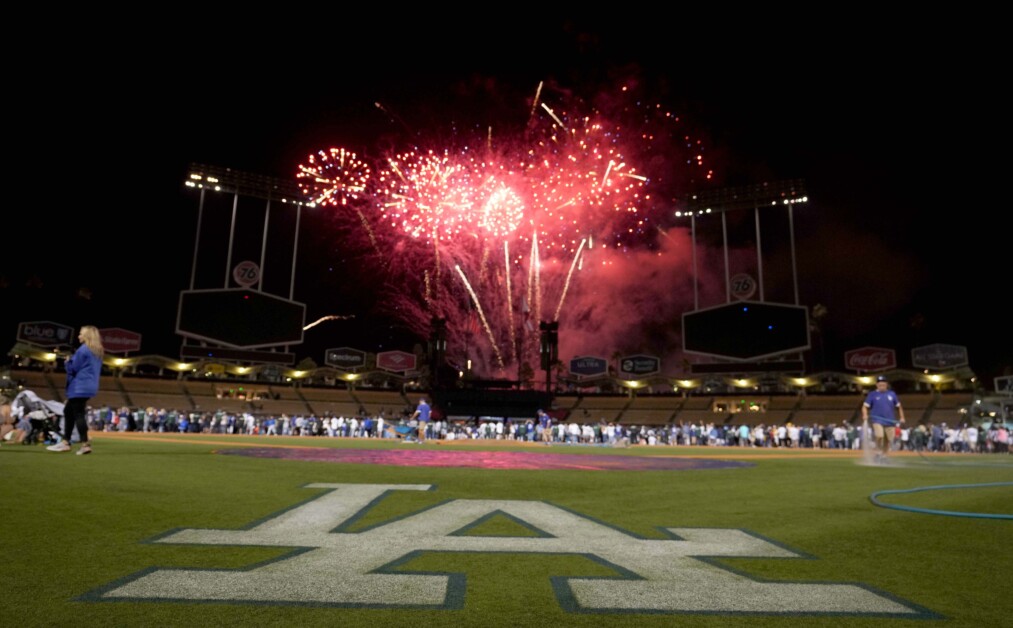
x=166, y=530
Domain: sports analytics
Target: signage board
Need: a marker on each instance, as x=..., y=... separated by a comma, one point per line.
x=743, y=286
x=46, y=334
x=240, y=318
x=640, y=365
x=398, y=361
x=345, y=358
x=746, y=330
x=589, y=366
x=1004, y=385
x=938, y=356
x=117, y=340
x=870, y=359
x=246, y=273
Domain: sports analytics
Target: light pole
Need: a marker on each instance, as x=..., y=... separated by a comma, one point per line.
x=777, y=194
x=549, y=349
x=437, y=348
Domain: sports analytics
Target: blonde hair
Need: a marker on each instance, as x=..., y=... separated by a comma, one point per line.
x=93, y=340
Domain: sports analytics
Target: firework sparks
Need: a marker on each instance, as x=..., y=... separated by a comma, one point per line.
x=534, y=102
x=534, y=280
x=509, y=297
x=553, y=116
x=481, y=315
x=338, y=178
x=574, y=176
x=324, y=319
x=569, y=275
x=334, y=177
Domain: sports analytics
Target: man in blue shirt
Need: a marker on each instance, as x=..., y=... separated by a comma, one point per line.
x=545, y=421
x=422, y=414
x=883, y=406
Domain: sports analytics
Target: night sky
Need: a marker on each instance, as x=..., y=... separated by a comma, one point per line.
x=904, y=240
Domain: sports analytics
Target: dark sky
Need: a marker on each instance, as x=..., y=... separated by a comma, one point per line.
x=899, y=139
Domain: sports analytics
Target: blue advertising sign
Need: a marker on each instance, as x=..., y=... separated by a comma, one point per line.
x=46, y=334
x=589, y=366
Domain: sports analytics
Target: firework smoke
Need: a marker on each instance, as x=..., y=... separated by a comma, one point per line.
x=573, y=175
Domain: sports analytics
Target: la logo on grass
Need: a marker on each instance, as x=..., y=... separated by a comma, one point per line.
x=368, y=568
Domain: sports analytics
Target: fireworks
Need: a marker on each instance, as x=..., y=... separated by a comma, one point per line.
x=502, y=230
x=333, y=177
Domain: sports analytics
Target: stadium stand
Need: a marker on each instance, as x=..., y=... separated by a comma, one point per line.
x=774, y=410
x=826, y=410
x=278, y=407
x=159, y=401
x=651, y=410
x=210, y=403
x=42, y=384
x=953, y=402
x=917, y=407
x=594, y=408
x=389, y=402
x=147, y=385
x=687, y=417
x=647, y=416
x=329, y=395
x=827, y=417
x=327, y=401
x=112, y=398
x=697, y=403
x=267, y=399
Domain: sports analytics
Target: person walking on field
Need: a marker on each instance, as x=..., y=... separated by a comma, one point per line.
x=83, y=371
x=422, y=414
x=883, y=406
x=545, y=421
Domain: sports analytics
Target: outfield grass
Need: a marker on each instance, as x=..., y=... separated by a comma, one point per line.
x=80, y=527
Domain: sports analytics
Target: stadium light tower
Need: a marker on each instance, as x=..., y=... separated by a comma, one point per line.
x=747, y=334
x=549, y=349
x=769, y=195
x=238, y=183
x=437, y=348
x=241, y=321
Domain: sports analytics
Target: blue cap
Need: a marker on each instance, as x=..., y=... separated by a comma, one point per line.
x=881, y=378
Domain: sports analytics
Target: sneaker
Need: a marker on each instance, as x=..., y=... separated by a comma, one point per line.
x=61, y=446
x=85, y=449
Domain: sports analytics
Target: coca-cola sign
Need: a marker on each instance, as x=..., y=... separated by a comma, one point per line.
x=870, y=359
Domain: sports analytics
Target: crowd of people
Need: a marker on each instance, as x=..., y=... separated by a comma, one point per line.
x=883, y=422
x=928, y=437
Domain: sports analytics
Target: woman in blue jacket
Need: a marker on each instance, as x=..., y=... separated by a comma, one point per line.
x=83, y=371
